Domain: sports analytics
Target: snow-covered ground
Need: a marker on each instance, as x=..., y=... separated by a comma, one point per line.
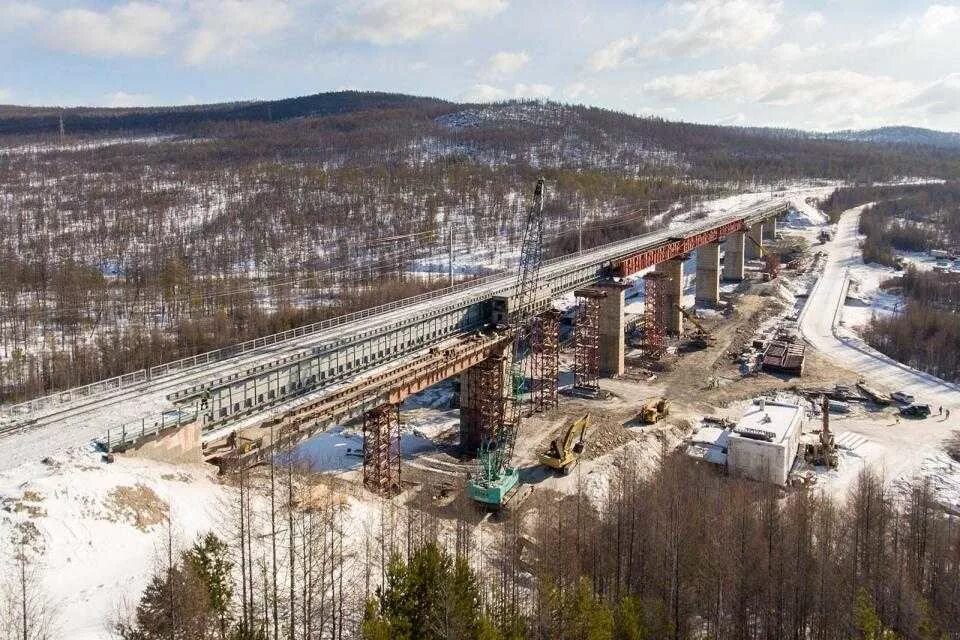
x=96, y=532
x=900, y=449
x=96, y=529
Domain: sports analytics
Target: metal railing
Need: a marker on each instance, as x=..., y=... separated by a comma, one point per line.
x=118, y=383
x=129, y=433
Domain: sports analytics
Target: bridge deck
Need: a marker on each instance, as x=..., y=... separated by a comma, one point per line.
x=241, y=386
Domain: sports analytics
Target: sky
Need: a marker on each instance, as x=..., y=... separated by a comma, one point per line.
x=832, y=64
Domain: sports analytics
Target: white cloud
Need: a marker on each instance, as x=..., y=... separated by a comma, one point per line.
x=386, y=22
x=830, y=98
x=228, y=28
x=505, y=63
x=15, y=15
x=813, y=21
x=131, y=29
x=5, y=95
x=708, y=25
x=738, y=82
x=578, y=91
x=791, y=51
x=124, y=99
x=490, y=93
x=939, y=98
x=483, y=93
x=936, y=21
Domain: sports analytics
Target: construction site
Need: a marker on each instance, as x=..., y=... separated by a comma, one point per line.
x=551, y=395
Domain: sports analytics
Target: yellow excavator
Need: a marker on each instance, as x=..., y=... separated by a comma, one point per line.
x=653, y=411
x=564, y=453
x=702, y=338
x=771, y=261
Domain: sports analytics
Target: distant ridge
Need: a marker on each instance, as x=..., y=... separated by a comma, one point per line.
x=901, y=135
x=35, y=120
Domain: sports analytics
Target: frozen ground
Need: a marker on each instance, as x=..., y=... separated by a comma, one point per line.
x=97, y=531
x=901, y=449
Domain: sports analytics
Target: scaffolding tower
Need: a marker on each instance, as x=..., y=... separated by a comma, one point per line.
x=586, y=333
x=654, y=313
x=485, y=405
x=381, y=449
x=545, y=353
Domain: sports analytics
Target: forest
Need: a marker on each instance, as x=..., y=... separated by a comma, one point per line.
x=682, y=553
x=919, y=218
x=137, y=237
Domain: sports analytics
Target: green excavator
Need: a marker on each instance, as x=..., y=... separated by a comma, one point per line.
x=496, y=482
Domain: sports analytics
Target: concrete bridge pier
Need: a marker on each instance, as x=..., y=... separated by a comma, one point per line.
x=483, y=389
x=708, y=275
x=733, y=251
x=770, y=229
x=612, y=347
x=756, y=234
x=672, y=295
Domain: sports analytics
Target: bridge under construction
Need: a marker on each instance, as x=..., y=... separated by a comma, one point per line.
x=236, y=405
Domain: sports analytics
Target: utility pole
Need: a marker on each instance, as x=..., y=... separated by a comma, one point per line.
x=450, y=254
x=580, y=227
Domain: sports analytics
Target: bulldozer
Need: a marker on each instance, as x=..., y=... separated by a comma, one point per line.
x=564, y=453
x=703, y=338
x=824, y=452
x=653, y=411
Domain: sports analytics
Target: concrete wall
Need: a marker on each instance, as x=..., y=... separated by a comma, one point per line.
x=175, y=445
x=763, y=461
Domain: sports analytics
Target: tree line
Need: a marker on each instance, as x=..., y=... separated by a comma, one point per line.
x=682, y=553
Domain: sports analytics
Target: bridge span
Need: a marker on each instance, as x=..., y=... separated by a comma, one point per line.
x=284, y=375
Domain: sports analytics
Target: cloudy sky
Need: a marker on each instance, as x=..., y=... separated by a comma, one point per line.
x=824, y=64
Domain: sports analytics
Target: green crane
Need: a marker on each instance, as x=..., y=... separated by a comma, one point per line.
x=495, y=480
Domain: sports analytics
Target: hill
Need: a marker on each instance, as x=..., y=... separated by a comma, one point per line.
x=902, y=135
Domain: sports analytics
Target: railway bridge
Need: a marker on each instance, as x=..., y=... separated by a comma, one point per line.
x=286, y=387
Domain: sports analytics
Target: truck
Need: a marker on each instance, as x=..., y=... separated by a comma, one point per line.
x=918, y=411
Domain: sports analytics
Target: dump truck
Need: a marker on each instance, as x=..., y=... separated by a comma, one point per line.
x=654, y=411
x=564, y=453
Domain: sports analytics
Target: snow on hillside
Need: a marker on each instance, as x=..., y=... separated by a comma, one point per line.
x=96, y=531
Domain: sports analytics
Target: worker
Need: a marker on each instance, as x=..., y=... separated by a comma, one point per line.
x=941, y=410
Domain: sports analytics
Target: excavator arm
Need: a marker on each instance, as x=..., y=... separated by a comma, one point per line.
x=689, y=316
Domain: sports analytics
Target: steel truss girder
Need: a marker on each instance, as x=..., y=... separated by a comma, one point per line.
x=672, y=249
